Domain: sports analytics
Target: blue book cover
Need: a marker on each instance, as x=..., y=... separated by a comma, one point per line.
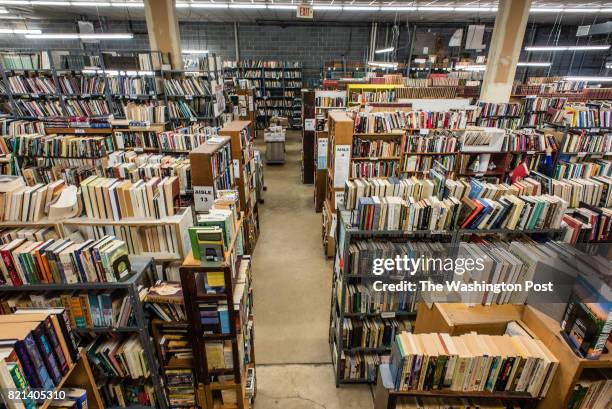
x=38, y=364
x=47, y=354
x=94, y=310
x=105, y=304
x=28, y=366
x=224, y=318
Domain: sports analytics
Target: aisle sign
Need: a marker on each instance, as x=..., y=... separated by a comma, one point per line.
x=203, y=198
x=305, y=11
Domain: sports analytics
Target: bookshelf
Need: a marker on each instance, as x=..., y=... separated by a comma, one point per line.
x=459, y=319
x=243, y=158
x=215, y=384
x=138, y=232
x=143, y=274
x=79, y=83
x=211, y=170
x=308, y=140
x=360, y=94
x=277, y=87
x=346, y=236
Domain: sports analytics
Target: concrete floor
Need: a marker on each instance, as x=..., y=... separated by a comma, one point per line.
x=292, y=288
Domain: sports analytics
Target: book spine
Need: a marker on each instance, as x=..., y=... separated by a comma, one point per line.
x=28, y=366
x=47, y=354
x=38, y=364
x=57, y=348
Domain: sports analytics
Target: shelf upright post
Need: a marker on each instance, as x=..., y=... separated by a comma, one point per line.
x=107, y=90
x=146, y=342
x=9, y=92
x=58, y=92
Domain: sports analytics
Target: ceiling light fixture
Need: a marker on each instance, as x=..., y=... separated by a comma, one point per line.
x=100, y=36
x=194, y=52
x=247, y=6
x=384, y=50
x=397, y=8
x=382, y=64
x=18, y=31
x=360, y=8
x=282, y=7
x=315, y=7
x=534, y=64
x=589, y=79
x=208, y=6
x=91, y=4
x=475, y=67
x=50, y=3
x=567, y=48
x=128, y=4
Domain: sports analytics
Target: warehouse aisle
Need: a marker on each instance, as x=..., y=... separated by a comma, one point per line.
x=292, y=284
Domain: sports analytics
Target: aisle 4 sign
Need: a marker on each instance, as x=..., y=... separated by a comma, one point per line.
x=305, y=11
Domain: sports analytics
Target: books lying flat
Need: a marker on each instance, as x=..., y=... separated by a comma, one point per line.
x=472, y=362
x=165, y=299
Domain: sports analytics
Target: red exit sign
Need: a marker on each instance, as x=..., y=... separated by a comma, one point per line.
x=305, y=11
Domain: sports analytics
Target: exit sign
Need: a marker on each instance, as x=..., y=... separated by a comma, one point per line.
x=305, y=11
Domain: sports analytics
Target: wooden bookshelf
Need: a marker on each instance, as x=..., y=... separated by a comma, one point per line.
x=207, y=381
x=457, y=319
x=211, y=170
x=243, y=157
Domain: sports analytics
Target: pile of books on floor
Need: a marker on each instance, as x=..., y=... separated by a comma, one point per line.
x=64, y=261
x=472, y=363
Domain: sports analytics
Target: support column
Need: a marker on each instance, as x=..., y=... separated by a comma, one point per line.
x=504, y=50
x=163, y=29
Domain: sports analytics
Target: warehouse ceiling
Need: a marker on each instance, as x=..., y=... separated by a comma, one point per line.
x=284, y=10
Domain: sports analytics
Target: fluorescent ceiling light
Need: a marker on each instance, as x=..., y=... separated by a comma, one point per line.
x=420, y=60
x=208, y=6
x=182, y=5
x=475, y=67
x=3, y=11
x=476, y=9
x=194, y=52
x=100, y=36
x=50, y=3
x=247, y=6
x=90, y=4
x=18, y=31
x=436, y=8
x=589, y=79
x=315, y=7
x=382, y=64
x=384, y=50
x=546, y=10
x=15, y=2
x=128, y=4
x=567, y=48
x=397, y=8
x=282, y=7
x=360, y=8
x=609, y=65
x=534, y=64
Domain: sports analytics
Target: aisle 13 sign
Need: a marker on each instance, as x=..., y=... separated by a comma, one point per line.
x=305, y=11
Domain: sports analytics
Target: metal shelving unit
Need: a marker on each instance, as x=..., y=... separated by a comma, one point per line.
x=345, y=236
x=143, y=271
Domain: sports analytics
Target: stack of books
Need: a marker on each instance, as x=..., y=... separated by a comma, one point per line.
x=375, y=333
x=165, y=299
x=31, y=85
x=87, y=108
x=118, y=357
x=60, y=146
x=472, y=363
x=191, y=86
x=120, y=393
x=82, y=85
x=438, y=142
